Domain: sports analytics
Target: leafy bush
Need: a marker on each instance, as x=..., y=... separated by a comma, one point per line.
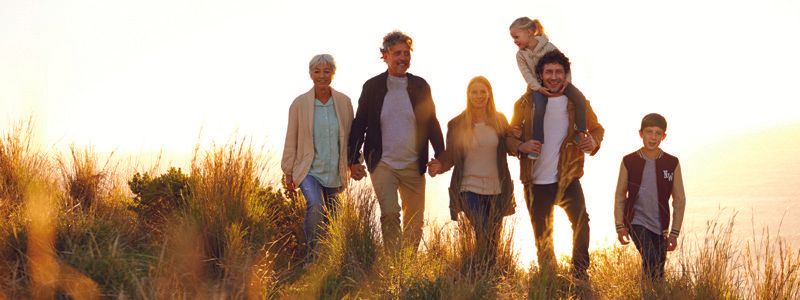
x=155, y=198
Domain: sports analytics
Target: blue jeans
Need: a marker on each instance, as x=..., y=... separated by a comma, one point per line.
x=486, y=219
x=321, y=203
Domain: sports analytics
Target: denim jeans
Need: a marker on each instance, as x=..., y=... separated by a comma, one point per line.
x=653, y=249
x=486, y=219
x=321, y=203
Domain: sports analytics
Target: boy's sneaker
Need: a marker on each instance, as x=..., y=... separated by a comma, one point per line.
x=533, y=155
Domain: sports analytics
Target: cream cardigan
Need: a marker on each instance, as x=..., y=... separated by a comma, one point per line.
x=528, y=58
x=298, y=148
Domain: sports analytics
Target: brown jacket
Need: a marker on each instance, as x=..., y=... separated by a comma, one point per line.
x=455, y=156
x=570, y=162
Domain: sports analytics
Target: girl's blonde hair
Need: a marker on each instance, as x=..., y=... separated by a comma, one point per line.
x=527, y=23
x=492, y=118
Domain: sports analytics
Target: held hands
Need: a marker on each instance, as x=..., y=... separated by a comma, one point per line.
x=358, y=171
x=623, y=236
x=434, y=167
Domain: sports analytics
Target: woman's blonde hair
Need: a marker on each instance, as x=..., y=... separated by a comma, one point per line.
x=527, y=23
x=492, y=118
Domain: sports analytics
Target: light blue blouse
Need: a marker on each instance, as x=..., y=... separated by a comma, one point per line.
x=325, y=166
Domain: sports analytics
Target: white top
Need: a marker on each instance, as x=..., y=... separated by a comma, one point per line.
x=556, y=124
x=480, y=162
x=398, y=125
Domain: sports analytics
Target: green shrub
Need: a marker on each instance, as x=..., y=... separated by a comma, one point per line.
x=156, y=198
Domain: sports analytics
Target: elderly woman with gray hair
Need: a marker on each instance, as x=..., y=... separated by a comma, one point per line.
x=315, y=150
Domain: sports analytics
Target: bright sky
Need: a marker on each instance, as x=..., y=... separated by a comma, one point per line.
x=140, y=76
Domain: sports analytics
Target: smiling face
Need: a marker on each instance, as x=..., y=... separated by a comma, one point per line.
x=321, y=75
x=652, y=137
x=478, y=96
x=522, y=37
x=553, y=76
x=398, y=59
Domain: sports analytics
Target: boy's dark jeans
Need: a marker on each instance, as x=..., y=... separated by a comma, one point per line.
x=543, y=197
x=540, y=107
x=653, y=249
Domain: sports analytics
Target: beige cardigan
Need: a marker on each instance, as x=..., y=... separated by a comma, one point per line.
x=298, y=149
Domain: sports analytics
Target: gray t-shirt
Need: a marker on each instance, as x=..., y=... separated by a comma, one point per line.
x=646, y=206
x=398, y=125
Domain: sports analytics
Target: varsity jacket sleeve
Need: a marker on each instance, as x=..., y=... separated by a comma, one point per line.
x=358, y=128
x=619, y=197
x=678, y=202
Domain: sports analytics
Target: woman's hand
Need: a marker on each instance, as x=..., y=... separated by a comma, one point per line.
x=290, y=183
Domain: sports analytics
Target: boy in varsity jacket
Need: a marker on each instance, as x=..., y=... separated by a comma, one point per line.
x=647, y=179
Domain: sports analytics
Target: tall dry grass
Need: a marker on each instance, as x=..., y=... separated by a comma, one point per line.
x=70, y=229
x=354, y=264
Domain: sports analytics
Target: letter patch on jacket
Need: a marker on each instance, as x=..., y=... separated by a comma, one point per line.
x=668, y=176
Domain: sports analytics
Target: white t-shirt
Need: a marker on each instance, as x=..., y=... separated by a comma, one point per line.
x=556, y=125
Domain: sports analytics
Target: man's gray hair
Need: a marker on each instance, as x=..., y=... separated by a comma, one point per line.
x=324, y=59
x=396, y=37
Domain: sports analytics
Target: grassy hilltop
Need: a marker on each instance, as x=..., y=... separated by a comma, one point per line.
x=72, y=226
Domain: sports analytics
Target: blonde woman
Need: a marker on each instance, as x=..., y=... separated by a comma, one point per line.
x=315, y=151
x=481, y=184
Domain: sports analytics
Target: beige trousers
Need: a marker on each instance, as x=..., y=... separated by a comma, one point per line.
x=411, y=184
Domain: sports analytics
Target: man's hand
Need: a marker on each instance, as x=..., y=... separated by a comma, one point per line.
x=623, y=236
x=672, y=243
x=358, y=171
x=531, y=146
x=587, y=143
x=290, y=183
x=434, y=167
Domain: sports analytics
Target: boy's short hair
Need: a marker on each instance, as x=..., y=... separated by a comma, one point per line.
x=654, y=119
